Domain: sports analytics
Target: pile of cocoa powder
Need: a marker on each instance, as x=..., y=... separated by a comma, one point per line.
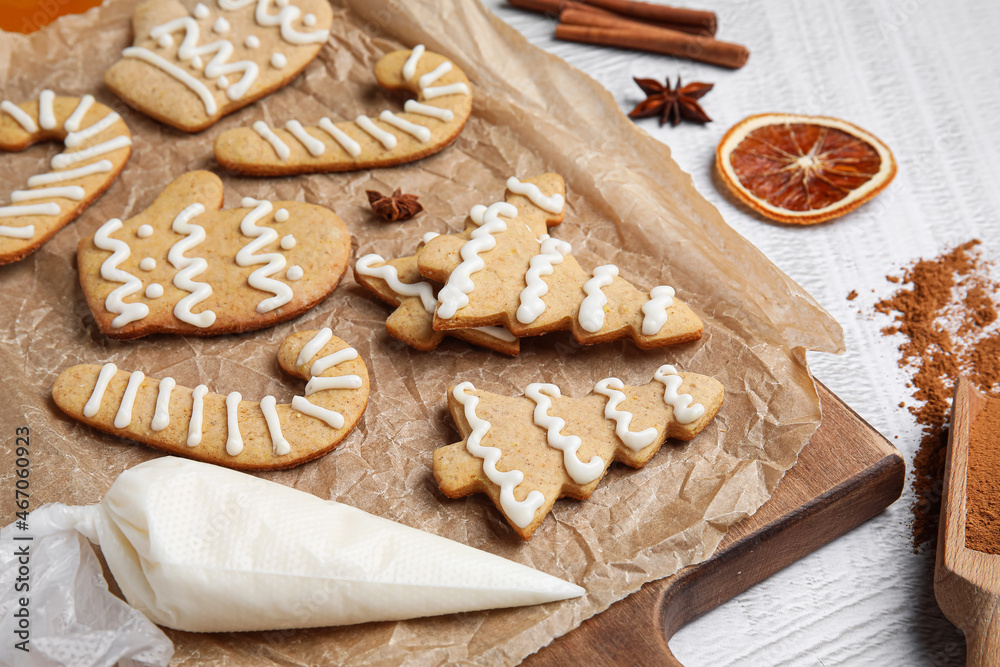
x=944, y=309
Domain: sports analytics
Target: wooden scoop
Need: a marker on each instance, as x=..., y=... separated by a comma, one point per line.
x=966, y=582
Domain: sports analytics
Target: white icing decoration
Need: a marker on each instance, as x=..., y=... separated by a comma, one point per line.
x=454, y=295
x=22, y=118
x=124, y=416
x=23, y=232
x=329, y=361
x=144, y=231
x=569, y=445
x=294, y=273
x=251, y=42
x=197, y=415
x=287, y=241
x=165, y=41
x=274, y=262
x=591, y=314
x=350, y=145
x=72, y=123
x=685, y=411
x=552, y=252
x=553, y=204
x=65, y=159
x=147, y=264
x=309, y=20
x=410, y=66
x=312, y=348
x=441, y=91
x=280, y=147
x=199, y=88
x=66, y=192
x=388, y=273
x=387, y=139
x=428, y=237
x=126, y=312
x=154, y=291
x=46, y=114
x=477, y=212
x=49, y=208
x=432, y=76
x=312, y=144
x=218, y=65
x=332, y=418
x=634, y=440
x=520, y=512
x=222, y=82
x=197, y=64
x=654, y=311
x=103, y=378
x=221, y=26
x=74, y=139
x=285, y=17
x=281, y=215
x=161, y=413
x=339, y=382
x=190, y=267
x=201, y=11
x=99, y=167
x=234, y=441
x=419, y=131
x=279, y=445
x=413, y=106
x=278, y=60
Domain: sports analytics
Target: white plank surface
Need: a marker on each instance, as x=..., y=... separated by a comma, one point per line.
x=923, y=76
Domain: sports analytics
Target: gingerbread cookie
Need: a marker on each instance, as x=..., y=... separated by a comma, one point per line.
x=398, y=283
x=226, y=430
x=191, y=64
x=427, y=125
x=505, y=270
x=527, y=452
x=98, y=145
x=184, y=266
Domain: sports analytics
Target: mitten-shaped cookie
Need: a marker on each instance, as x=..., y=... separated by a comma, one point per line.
x=425, y=126
x=505, y=270
x=191, y=65
x=225, y=429
x=184, y=266
x=526, y=452
x=98, y=145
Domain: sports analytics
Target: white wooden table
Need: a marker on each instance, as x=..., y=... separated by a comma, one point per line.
x=923, y=76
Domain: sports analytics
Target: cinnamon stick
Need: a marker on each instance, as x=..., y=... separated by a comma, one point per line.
x=556, y=7
x=660, y=13
x=634, y=35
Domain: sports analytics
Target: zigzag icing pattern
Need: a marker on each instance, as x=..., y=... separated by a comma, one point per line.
x=188, y=268
x=273, y=262
x=120, y=251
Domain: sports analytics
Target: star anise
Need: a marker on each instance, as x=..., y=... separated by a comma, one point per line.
x=672, y=104
x=395, y=207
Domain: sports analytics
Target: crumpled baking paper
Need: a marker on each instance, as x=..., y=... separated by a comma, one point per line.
x=628, y=204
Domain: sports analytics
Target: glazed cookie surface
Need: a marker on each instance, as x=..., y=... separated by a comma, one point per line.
x=526, y=452
x=97, y=146
x=425, y=126
x=185, y=266
x=225, y=429
x=190, y=64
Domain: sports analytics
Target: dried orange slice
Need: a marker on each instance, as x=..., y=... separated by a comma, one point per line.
x=802, y=169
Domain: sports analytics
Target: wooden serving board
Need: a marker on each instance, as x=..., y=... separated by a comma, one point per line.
x=845, y=475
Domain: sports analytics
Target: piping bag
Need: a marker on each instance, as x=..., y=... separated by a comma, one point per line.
x=202, y=548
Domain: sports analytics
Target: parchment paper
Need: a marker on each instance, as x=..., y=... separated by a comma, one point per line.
x=628, y=203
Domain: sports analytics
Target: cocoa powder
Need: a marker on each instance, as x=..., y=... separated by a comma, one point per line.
x=982, y=509
x=943, y=309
